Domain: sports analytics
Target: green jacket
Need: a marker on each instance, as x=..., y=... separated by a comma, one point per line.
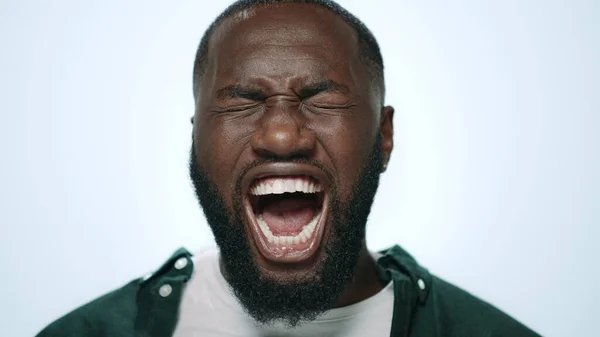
x=424, y=305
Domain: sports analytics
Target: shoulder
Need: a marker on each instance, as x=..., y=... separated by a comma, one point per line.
x=145, y=304
x=445, y=309
x=459, y=311
x=114, y=310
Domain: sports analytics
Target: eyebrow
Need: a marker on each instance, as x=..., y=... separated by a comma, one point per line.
x=256, y=94
x=322, y=86
x=240, y=91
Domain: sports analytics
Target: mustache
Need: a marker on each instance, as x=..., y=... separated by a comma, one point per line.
x=298, y=160
x=267, y=160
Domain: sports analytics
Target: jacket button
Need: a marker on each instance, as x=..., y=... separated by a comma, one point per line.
x=181, y=263
x=421, y=284
x=165, y=290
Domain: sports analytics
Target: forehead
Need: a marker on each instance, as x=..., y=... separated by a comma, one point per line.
x=280, y=41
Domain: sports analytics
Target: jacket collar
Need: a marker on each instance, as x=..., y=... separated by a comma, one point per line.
x=396, y=264
x=411, y=287
x=160, y=292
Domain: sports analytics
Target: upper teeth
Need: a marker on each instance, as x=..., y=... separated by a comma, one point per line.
x=285, y=185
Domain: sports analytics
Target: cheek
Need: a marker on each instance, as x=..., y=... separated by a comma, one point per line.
x=218, y=148
x=349, y=145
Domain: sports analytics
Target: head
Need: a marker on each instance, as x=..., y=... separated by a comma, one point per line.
x=290, y=138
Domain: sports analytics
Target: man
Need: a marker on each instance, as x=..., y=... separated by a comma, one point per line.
x=290, y=137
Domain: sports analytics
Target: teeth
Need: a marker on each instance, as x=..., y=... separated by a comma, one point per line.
x=285, y=185
x=278, y=187
x=290, y=185
x=302, y=237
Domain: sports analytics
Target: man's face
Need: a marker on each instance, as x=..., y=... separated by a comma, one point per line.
x=289, y=141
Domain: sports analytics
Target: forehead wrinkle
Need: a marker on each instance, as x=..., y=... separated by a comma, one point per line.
x=277, y=70
x=312, y=58
x=286, y=35
x=279, y=62
x=286, y=50
x=297, y=60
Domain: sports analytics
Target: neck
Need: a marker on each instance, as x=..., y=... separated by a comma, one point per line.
x=365, y=283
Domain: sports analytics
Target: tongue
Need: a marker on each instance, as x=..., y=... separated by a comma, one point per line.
x=289, y=215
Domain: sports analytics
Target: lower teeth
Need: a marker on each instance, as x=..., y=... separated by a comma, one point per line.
x=283, y=240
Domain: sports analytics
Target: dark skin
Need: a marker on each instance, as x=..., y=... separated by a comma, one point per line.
x=283, y=82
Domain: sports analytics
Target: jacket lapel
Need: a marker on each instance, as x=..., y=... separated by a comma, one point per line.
x=411, y=287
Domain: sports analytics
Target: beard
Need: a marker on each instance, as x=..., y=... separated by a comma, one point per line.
x=268, y=300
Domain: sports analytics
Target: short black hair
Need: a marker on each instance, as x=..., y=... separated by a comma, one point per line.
x=369, y=48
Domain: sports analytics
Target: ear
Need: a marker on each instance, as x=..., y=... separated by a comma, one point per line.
x=387, y=135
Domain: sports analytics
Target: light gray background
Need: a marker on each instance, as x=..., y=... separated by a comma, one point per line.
x=493, y=184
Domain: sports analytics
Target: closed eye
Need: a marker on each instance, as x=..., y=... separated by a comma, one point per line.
x=332, y=106
x=236, y=108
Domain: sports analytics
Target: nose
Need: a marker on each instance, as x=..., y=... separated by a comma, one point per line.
x=283, y=137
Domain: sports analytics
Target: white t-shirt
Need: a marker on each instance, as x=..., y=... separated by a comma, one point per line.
x=209, y=309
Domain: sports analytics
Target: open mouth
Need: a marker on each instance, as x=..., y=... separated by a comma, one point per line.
x=287, y=215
